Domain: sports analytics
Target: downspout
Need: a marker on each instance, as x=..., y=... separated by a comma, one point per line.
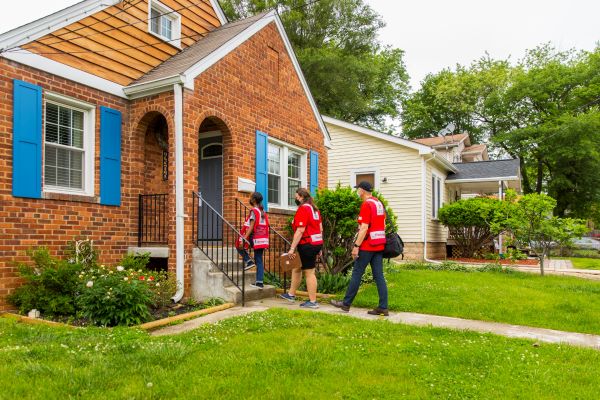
x=179, y=209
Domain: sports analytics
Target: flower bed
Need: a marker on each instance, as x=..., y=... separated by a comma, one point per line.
x=524, y=263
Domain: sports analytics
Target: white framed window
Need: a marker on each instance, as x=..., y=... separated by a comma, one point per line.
x=164, y=23
x=369, y=174
x=436, y=195
x=69, y=138
x=287, y=173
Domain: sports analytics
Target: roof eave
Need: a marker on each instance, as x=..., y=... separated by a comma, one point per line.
x=50, y=23
x=491, y=179
x=154, y=87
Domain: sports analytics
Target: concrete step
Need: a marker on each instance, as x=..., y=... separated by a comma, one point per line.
x=252, y=293
x=250, y=277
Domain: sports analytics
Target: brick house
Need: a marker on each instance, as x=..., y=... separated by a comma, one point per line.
x=115, y=113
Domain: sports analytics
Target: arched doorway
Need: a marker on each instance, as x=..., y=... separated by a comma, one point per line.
x=210, y=175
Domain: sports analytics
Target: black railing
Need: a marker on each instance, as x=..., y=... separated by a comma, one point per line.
x=152, y=219
x=216, y=238
x=278, y=245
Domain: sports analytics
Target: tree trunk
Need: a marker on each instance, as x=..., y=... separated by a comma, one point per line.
x=525, y=177
x=542, y=263
x=540, y=176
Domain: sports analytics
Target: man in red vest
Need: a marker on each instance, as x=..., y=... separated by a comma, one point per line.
x=368, y=249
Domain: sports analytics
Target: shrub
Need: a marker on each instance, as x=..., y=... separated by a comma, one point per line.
x=454, y=267
x=163, y=286
x=50, y=285
x=112, y=297
x=330, y=283
x=473, y=223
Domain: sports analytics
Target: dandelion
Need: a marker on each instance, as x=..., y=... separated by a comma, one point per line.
x=120, y=268
x=90, y=284
x=126, y=279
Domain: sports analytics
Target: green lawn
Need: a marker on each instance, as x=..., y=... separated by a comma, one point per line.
x=282, y=354
x=583, y=263
x=556, y=302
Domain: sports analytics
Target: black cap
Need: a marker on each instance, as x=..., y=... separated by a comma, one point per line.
x=364, y=185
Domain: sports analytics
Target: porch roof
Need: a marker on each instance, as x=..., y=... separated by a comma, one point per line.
x=486, y=171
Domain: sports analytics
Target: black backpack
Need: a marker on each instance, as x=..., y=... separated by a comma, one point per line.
x=394, y=246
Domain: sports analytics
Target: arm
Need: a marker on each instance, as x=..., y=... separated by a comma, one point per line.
x=362, y=233
x=297, y=236
x=250, y=230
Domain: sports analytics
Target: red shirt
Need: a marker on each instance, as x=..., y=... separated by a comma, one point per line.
x=366, y=217
x=305, y=218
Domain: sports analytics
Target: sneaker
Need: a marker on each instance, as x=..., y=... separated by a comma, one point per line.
x=379, y=311
x=249, y=264
x=259, y=285
x=339, y=304
x=309, y=304
x=288, y=297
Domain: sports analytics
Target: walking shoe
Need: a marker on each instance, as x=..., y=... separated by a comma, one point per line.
x=249, y=264
x=379, y=311
x=259, y=285
x=339, y=304
x=309, y=304
x=288, y=297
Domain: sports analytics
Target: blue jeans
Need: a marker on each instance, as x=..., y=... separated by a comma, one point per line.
x=375, y=258
x=258, y=259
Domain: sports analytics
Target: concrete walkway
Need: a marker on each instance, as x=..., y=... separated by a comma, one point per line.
x=511, y=331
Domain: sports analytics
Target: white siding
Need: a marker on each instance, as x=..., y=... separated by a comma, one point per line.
x=400, y=165
x=436, y=232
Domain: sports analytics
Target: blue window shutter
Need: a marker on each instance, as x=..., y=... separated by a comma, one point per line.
x=262, y=166
x=110, y=157
x=314, y=172
x=27, y=140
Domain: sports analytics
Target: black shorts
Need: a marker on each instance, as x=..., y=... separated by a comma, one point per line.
x=308, y=255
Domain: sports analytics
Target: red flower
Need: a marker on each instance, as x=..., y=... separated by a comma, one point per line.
x=151, y=278
x=141, y=277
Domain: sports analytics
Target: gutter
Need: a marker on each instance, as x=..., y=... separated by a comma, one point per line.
x=433, y=156
x=179, y=209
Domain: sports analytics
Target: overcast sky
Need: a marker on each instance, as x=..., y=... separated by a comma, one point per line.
x=439, y=33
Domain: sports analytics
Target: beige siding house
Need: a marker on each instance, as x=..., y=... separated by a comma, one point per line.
x=410, y=175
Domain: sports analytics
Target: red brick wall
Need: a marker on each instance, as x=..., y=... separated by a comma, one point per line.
x=57, y=219
x=255, y=87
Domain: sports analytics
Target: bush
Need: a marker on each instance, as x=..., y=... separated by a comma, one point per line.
x=117, y=296
x=473, y=223
x=163, y=286
x=329, y=283
x=50, y=286
x=454, y=267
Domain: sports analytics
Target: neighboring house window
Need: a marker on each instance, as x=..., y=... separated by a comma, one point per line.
x=165, y=23
x=68, y=145
x=370, y=175
x=436, y=195
x=286, y=173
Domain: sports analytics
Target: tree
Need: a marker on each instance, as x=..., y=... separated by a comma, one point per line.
x=543, y=110
x=350, y=74
x=532, y=224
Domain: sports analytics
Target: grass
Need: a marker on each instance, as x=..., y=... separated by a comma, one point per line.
x=556, y=302
x=281, y=354
x=583, y=263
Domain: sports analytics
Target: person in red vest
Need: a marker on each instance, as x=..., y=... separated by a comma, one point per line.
x=368, y=249
x=308, y=239
x=255, y=233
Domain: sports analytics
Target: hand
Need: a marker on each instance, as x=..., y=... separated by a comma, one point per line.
x=291, y=253
x=355, y=252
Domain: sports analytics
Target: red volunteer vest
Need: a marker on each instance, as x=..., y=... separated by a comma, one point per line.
x=376, y=232
x=260, y=235
x=312, y=234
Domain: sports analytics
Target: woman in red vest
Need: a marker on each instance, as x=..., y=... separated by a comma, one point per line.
x=308, y=239
x=368, y=249
x=255, y=231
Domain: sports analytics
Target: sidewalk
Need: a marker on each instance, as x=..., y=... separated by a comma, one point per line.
x=511, y=331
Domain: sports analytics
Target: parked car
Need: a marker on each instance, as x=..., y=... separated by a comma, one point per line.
x=587, y=243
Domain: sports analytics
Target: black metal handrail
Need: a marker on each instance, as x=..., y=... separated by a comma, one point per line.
x=152, y=219
x=216, y=238
x=278, y=245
